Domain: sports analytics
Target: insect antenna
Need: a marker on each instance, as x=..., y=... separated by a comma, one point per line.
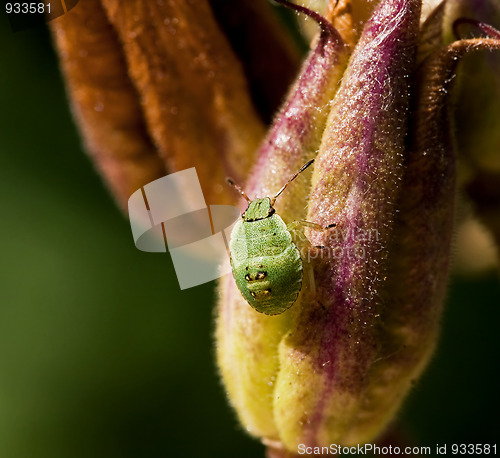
x=307, y=164
x=235, y=186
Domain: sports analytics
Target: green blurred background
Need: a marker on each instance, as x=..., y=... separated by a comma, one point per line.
x=101, y=355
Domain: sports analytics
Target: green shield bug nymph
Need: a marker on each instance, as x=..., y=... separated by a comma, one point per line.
x=265, y=260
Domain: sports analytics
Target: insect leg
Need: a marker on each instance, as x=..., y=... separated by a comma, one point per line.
x=301, y=223
x=307, y=253
x=305, y=248
x=309, y=273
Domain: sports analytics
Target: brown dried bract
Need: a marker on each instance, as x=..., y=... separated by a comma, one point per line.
x=104, y=100
x=157, y=87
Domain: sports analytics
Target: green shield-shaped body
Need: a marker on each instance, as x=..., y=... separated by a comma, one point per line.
x=266, y=264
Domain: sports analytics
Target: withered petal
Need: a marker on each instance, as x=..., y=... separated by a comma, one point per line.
x=104, y=102
x=184, y=88
x=193, y=92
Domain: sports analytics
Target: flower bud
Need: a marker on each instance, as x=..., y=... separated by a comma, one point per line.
x=336, y=366
x=300, y=377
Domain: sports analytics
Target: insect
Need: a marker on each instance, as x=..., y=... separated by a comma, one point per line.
x=265, y=259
